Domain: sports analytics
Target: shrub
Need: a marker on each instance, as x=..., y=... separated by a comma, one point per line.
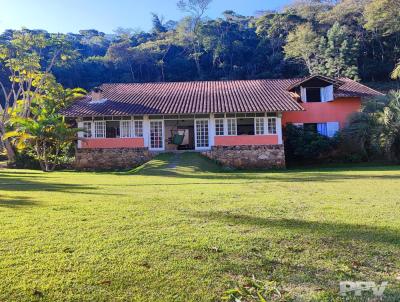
x=303, y=145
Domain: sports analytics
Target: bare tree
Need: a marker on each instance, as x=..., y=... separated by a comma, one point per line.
x=196, y=9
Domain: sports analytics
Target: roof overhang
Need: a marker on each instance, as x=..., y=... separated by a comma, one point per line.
x=336, y=83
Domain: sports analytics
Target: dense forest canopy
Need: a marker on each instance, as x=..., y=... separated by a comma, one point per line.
x=359, y=39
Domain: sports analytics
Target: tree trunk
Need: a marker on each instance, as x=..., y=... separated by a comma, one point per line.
x=7, y=146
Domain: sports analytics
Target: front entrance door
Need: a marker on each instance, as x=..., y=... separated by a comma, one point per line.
x=202, y=134
x=156, y=135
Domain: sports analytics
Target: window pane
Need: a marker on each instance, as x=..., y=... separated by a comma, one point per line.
x=219, y=126
x=87, y=129
x=139, y=128
x=259, y=125
x=271, y=125
x=113, y=129
x=245, y=126
x=231, y=123
x=100, y=129
x=126, y=129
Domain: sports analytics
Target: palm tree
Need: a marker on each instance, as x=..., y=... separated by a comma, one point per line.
x=389, y=118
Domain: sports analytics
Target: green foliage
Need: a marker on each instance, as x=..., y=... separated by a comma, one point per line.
x=304, y=145
x=383, y=16
x=337, y=54
x=375, y=132
x=302, y=44
x=353, y=38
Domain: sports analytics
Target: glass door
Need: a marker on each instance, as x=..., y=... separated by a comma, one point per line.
x=156, y=135
x=202, y=138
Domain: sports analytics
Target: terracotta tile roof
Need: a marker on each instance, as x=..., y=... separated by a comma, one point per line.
x=196, y=97
x=352, y=88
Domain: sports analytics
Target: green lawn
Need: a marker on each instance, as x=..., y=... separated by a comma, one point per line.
x=192, y=232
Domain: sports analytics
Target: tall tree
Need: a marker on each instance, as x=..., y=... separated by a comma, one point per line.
x=27, y=59
x=338, y=53
x=302, y=44
x=196, y=9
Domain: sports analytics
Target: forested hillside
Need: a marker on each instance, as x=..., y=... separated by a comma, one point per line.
x=359, y=39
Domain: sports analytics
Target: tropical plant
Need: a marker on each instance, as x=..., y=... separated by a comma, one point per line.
x=389, y=118
x=46, y=138
x=22, y=59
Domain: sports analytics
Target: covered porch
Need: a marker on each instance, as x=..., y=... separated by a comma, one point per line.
x=199, y=132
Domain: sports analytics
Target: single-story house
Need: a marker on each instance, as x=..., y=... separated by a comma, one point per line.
x=238, y=123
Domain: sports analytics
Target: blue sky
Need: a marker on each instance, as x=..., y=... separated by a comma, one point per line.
x=106, y=15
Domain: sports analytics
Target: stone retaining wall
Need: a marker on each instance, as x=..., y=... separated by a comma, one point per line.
x=247, y=157
x=106, y=159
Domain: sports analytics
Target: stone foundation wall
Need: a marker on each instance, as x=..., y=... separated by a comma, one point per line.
x=247, y=157
x=107, y=159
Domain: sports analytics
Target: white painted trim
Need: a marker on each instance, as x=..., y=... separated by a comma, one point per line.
x=278, y=120
x=211, y=131
x=146, y=131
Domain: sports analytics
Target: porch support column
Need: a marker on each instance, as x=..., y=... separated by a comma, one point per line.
x=146, y=131
x=211, y=130
x=279, y=127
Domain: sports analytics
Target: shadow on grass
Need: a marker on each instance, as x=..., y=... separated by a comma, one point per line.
x=196, y=166
x=12, y=181
x=16, y=202
x=338, y=230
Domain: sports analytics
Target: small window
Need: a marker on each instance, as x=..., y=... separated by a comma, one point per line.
x=259, y=126
x=271, y=125
x=313, y=95
x=87, y=129
x=100, y=129
x=125, y=129
x=139, y=128
x=219, y=127
x=231, y=124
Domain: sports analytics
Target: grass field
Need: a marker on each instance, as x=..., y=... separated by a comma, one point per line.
x=193, y=232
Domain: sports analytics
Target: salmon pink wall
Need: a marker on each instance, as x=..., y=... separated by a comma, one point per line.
x=107, y=143
x=238, y=140
x=336, y=111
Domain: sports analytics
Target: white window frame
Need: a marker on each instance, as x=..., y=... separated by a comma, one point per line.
x=87, y=129
x=135, y=128
x=97, y=132
x=229, y=126
x=275, y=126
x=125, y=129
x=162, y=135
x=196, y=134
x=218, y=126
x=256, y=129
